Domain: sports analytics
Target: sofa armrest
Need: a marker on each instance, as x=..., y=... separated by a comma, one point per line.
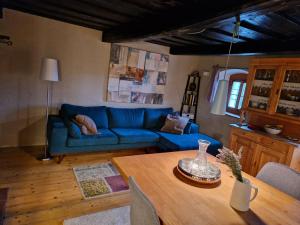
x=194, y=128
x=55, y=121
x=191, y=128
x=57, y=134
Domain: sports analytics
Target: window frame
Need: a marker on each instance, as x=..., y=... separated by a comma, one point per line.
x=240, y=77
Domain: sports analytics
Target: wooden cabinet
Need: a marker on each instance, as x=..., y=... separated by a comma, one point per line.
x=273, y=87
x=273, y=94
x=259, y=148
x=248, y=148
x=263, y=154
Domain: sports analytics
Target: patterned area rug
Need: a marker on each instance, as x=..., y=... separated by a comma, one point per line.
x=117, y=216
x=3, y=199
x=99, y=180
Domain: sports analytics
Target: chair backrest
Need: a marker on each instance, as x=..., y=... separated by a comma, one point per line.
x=142, y=212
x=281, y=177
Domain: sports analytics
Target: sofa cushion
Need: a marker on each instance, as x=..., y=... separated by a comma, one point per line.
x=106, y=137
x=126, y=118
x=96, y=113
x=127, y=135
x=188, y=142
x=74, y=130
x=155, y=118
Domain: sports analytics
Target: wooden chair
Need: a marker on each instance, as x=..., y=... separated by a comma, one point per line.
x=281, y=177
x=142, y=212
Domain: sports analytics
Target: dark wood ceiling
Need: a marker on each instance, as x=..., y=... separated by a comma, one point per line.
x=189, y=27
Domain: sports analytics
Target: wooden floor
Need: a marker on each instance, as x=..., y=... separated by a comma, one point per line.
x=47, y=193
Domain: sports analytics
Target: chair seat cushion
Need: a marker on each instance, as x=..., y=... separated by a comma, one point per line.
x=106, y=137
x=130, y=135
x=188, y=142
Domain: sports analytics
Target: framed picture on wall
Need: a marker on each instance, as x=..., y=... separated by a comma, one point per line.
x=136, y=76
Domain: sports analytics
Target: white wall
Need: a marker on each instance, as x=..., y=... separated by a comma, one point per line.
x=213, y=125
x=84, y=63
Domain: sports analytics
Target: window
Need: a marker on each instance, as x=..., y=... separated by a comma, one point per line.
x=236, y=92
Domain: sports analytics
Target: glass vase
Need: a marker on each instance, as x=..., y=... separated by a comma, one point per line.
x=199, y=164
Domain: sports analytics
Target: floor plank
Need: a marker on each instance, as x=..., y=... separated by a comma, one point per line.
x=46, y=193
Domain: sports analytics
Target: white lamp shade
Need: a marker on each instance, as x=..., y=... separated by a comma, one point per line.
x=220, y=101
x=49, y=70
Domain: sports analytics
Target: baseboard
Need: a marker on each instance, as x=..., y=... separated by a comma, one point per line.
x=21, y=146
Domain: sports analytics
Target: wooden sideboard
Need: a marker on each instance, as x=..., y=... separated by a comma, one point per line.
x=260, y=148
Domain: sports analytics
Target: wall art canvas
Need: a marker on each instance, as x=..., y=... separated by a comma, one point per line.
x=136, y=76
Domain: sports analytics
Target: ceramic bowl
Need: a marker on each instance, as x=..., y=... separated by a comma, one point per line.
x=273, y=129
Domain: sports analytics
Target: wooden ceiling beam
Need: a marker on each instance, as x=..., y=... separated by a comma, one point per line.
x=159, y=42
x=288, y=18
x=199, y=39
x=65, y=18
x=223, y=32
x=212, y=39
x=91, y=7
x=62, y=10
x=192, y=17
x=181, y=40
x=262, y=30
x=126, y=8
x=1, y=9
x=253, y=48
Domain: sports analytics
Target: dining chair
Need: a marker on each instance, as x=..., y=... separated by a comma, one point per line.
x=281, y=177
x=142, y=212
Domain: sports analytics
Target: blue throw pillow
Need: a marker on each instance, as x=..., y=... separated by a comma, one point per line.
x=74, y=130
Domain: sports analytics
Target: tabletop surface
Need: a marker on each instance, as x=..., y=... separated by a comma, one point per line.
x=178, y=202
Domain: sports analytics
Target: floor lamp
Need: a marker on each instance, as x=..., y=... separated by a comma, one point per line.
x=49, y=73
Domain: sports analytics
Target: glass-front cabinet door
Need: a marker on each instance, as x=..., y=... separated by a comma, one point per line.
x=289, y=100
x=263, y=80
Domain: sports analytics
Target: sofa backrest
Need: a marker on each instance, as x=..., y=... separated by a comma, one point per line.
x=126, y=117
x=109, y=117
x=155, y=117
x=97, y=113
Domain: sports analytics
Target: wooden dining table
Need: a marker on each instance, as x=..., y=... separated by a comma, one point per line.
x=180, y=202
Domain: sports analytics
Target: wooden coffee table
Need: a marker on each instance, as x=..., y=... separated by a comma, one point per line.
x=179, y=202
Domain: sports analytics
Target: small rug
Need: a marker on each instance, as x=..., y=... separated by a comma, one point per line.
x=117, y=216
x=99, y=180
x=3, y=199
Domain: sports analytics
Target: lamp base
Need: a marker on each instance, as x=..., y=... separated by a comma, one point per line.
x=45, y=158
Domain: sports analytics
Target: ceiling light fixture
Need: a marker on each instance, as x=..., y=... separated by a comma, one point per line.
x=220, y=101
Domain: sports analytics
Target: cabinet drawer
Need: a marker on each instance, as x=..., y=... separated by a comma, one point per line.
x=273, y=144
x=245, y=134
x=263, y=140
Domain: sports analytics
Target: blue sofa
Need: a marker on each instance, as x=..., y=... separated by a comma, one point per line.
x=120, y=128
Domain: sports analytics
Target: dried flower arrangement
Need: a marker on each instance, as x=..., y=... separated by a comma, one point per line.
x=232, y=160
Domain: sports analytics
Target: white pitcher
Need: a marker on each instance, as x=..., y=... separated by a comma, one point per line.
x=241, y=195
